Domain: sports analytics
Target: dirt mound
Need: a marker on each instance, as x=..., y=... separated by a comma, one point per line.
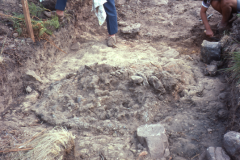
x=104, y=100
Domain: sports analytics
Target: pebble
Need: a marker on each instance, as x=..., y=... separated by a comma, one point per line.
x=137, y=79
x=29, y=40
x=15, y=35
x=75, y=46
x=209, y=130
x=79, y=99
x=11, y=46
x=29, y=89
x=20, y=5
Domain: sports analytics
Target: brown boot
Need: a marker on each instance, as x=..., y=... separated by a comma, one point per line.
x=52, y=14
x=111, y=41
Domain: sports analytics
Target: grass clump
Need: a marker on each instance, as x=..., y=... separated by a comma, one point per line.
x=40, y=26
x=235, y=67
x=51, y=145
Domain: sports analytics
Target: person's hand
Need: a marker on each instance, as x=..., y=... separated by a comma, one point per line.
x=209, y=33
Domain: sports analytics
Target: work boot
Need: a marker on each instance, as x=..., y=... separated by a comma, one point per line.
x=52, y=14
x=111, y=41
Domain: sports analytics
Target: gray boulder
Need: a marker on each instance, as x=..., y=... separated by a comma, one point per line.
x=210, y=51
x=213, y=153
x=132, y=29
x=231, y=143
x=154, y=138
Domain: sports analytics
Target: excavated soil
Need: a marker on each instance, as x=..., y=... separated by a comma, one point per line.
x=91, y=91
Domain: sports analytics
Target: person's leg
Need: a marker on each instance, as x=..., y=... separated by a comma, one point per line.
x=111, y=17
x=60, y=5
x=238, y=6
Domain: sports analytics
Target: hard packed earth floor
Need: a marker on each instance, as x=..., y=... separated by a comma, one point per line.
x=102, y=94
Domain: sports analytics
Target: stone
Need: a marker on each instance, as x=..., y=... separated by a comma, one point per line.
x=15, y=35
x=158, y=2
x=20, y=5
x=75, y=46
x=79, y=99
x=179, y=158
x=122, y=23
x=221, y=154
x=11, y=46
x=211, y=153
x=145, y=81
x=32, y=97
x=1, y=59
x=217, y=63
x=223, y=96
x=120, y=2
x=137, y=79
x=157, y=84
x=214, y=153
x=210, y=51
x=29, y=89
x=29, y=40
x=222, y=114
x=132, y=29
x=209, y=130
x=154, y=138
x=231, y=143
x=31, y=75
x=171, y=53
x=211, y=70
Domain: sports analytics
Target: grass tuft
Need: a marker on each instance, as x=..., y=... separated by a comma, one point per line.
x=40, y=26
x=235, y=68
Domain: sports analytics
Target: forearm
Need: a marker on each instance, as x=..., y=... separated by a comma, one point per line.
x=205, y=20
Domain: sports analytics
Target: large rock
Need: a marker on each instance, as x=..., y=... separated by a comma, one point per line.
x=210, y=51
x=157, y=84
x=213, y=153
x=132, y=29
x=154, y=138
x=231, y=143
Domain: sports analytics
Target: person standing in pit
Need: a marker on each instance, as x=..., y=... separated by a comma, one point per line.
x=111, y=18
x=225, y=7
